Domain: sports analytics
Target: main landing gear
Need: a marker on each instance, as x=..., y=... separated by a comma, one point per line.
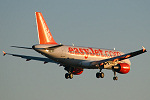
x=69, y=74
x=100, y=74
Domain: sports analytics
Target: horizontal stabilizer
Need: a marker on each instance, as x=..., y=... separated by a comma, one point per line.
x=21, y=47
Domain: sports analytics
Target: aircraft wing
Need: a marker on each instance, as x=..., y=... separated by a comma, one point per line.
x=119, y=58
x=28, y=58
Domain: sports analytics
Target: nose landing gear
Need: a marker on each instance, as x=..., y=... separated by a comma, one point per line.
x=115, y=78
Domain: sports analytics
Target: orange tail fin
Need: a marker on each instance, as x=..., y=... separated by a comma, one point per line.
x=45, y=36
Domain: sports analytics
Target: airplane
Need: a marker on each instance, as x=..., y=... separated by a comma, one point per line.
x=75, y=59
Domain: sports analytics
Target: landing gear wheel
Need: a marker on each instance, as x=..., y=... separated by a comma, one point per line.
x=68, y=75
x=115, y=78
x=100, y=75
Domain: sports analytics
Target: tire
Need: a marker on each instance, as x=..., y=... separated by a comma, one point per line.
x=115, y=78
x=102, y=75
x=98, y=75
x=66, y=75
x=70, y=76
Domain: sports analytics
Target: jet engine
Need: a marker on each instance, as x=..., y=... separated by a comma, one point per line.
x=122, y=68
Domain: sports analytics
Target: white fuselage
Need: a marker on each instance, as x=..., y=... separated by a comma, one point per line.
x=78, y=56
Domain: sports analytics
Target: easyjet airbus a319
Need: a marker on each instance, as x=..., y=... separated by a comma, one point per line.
x=75, y=59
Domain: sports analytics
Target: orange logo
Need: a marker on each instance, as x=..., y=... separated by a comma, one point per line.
x=86, y=57
x=92, y=52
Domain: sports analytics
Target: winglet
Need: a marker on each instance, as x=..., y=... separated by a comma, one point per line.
x=4, y=53
x=144, y=50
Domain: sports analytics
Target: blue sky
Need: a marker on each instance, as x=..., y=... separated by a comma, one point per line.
x=123, y=24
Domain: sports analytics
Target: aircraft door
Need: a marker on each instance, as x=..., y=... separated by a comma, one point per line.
x=63, y=54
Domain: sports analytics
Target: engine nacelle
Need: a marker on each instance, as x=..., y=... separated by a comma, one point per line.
x=122, y=68
x=77, y=71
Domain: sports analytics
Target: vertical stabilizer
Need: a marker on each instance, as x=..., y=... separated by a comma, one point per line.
x=45, y=36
